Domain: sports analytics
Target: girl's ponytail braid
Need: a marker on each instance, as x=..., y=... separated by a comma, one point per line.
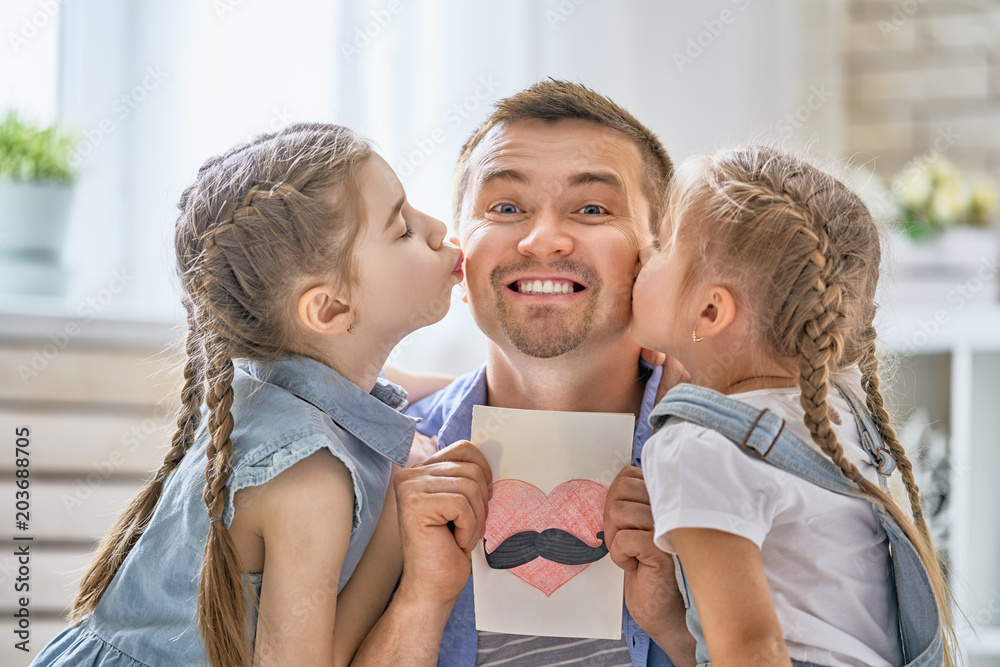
x=222, y=595
x=820, y=343
x=876, y=408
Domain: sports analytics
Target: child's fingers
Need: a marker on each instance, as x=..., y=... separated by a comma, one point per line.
x=673, y=374
x=653, y=357
x=422, y=448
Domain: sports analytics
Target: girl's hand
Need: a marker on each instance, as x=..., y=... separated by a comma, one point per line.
x=726, y=576
x=673, y=372
x=422, y=448
x=652, y=357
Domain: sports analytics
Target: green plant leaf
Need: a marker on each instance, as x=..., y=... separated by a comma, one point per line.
x=29, y=152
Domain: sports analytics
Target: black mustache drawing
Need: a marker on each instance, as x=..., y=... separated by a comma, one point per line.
x=552, y=544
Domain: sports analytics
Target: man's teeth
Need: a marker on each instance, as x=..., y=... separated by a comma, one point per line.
x=546, y=287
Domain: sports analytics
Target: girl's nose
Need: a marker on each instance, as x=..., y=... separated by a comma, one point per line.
x=436, y=231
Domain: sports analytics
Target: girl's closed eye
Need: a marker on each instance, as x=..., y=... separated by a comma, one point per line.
x=409, y=231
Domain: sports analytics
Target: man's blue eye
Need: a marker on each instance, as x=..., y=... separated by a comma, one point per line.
x=507, y=209
x=593, y=209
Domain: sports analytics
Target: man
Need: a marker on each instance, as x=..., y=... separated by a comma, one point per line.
x=554, y=196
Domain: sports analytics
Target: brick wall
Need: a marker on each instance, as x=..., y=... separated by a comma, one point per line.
x=922, y=74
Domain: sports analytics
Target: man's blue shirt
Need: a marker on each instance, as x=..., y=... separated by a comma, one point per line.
x=448, y=415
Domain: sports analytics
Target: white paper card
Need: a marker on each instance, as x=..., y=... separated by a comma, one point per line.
x=551, y=472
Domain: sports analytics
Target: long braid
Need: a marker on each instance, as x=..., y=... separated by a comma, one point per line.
x=820, y=344
x=876, y=408
x=222, y=594
x=131, y=524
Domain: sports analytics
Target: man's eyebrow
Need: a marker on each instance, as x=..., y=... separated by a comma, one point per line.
x=605, y=177
x=502, y=174
x=395, y=212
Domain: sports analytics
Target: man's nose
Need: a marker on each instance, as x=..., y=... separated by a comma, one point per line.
x=548, y=234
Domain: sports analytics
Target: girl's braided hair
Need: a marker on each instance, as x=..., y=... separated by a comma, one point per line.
x=801, y=253
x=257, y=221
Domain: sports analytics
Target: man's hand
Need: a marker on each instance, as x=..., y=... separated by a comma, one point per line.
x=651, y=592
x=442, y=505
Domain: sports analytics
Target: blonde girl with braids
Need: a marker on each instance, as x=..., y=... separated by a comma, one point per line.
x=302, y=265
x=767, y=476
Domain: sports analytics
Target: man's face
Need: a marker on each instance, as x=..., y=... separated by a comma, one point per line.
x=552, y=223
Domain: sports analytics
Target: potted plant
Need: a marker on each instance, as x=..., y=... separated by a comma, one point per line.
x=36, y=190
x=934, y=196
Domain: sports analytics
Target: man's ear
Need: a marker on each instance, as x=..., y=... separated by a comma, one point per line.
x=324, y=310
x=718, y=310
x=457, y=240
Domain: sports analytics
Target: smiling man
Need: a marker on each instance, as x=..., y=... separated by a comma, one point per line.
x=555, y=194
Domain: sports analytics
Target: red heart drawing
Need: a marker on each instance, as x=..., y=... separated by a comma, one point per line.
x=576, y=506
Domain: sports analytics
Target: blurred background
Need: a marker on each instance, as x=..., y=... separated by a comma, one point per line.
x=901, y=98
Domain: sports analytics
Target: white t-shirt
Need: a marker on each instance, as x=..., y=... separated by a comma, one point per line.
x=824, y=554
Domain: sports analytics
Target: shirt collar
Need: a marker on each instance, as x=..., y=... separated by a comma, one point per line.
x=643, y=430
x=376, y=418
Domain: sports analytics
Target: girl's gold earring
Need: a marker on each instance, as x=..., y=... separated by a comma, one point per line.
x=695, y=337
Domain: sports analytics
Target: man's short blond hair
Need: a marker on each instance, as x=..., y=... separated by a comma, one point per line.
x=552, y=101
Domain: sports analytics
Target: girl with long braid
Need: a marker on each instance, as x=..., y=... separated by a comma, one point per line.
x=767, y=476
x=302, y=266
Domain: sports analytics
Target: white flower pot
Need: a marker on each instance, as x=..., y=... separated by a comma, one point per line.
x=959, y=265
x=33, y=220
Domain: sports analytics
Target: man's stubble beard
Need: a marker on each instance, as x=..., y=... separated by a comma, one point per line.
x=546, y=331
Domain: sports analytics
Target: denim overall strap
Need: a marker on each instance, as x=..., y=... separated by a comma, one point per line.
x=764, y=432
x=871, y=441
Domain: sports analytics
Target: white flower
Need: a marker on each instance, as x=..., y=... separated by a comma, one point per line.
x=915, y=185
x=950, y=201
x=984, y=200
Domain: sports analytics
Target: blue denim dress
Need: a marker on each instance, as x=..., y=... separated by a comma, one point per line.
x=763, y=432
x=283, y=411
